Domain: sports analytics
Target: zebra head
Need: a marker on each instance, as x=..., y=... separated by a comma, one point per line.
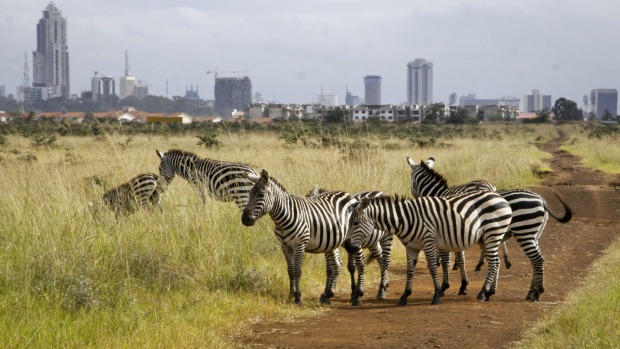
x=423, y=175
x=260, y=199
x=166, y=166
x=360, y=225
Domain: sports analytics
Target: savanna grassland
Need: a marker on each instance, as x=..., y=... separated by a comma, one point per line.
x=193, y=275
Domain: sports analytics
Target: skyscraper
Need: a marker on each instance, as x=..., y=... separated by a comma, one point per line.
x=51, y=59
x=602, y=100
x=372, y=90
x=127, y=81
x=232, y=93
x=102, y=87
x=420, y=82
x=536, y=102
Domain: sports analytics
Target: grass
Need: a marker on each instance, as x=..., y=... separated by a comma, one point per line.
x=591, y=316
x=597, y=153
x=191, y=276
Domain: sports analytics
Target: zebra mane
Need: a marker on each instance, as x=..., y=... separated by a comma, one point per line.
x=183, y=153
x=274, y=182
x=437, y=176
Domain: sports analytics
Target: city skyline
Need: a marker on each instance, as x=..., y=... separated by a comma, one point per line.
x=292, y=53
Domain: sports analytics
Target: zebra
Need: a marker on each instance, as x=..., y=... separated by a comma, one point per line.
x=379, y=244
x=530, y=213
x=143, y=190
x=224, y=181
x=316, y=224
x=452, y=223
x=425, y=184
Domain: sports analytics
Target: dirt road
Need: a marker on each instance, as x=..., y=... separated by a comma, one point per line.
x=462, y=321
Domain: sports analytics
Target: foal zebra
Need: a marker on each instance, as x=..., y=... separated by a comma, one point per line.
x=141, y=191
x=530, y=213
x=225, y=181
x=437, y=223
x=316, y=224
x=379, y=244
x=425, y=183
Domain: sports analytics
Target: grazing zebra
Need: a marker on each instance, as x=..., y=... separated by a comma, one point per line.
x=452, y=223
x=225, y=181
x=379, y=244
x=316, y=224
x=430, y=183
x=530, y=213
x=141, y=191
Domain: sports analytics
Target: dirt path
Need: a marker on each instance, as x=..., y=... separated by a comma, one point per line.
x=462, y=321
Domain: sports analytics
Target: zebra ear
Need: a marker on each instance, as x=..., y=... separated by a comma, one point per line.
x=364, y=204
x=161, y=156
x=252, y=177
x=264, y=175
x=410, y=162
x=430, y=162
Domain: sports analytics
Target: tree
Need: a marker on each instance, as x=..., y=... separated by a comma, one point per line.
x=461, y=117
x=608, y=116
x=565, y=110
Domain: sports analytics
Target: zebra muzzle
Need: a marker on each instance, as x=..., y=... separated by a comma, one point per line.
x=248, y=219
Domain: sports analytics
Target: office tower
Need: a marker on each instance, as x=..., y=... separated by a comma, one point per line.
x=127, y=82
x=232, y=93
x=372, y=90
x=602, y=100
x=453, y=98
x=536, y=102
x=51, y=59
x=420, y=82
x=102, y=87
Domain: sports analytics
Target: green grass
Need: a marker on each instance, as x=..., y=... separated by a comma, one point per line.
x=591, y=316
x=192, y=275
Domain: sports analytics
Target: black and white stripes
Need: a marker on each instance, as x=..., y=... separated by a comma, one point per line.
x=223, y=180
x=141, y=191
x=316, y=224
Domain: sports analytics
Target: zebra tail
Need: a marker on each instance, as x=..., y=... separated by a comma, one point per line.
x=567, y=215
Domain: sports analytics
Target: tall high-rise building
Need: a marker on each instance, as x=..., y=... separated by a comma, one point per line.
x=372, y=90
x=102, y=87
x=127, y=82
x=51, y=59
x=536, y=102
x=602, y=100
x=232, y=93
x=420, y=82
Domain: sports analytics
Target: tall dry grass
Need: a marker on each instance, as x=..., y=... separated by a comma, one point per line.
x=190, y=275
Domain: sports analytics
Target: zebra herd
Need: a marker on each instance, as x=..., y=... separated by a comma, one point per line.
x=440, y=220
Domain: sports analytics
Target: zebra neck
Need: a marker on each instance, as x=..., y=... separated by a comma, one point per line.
x=281, y=204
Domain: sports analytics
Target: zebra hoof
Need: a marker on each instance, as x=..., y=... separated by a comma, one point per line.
x=436, y=300
x=382, y=294
x=462, y=291
x=484, y=296
x=534, y=294
x=508, y=264
x=298, y=302
x=455, y=267
x=478, y=267
x=402, y=301
x=356, y=302
x=325, y=300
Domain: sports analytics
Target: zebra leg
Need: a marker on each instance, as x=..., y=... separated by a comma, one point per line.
x=384, y=263
x=506, y=259
x=412, y=260
x=444, y=259
x=460, y=261
x=289, y=256
x=492, y=257
x=537, y=287
x=480, y=260
x=351, y=268
x=360, y=263
x=430, y=250
x=333, y=265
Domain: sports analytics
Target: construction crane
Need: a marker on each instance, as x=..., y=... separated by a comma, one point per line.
x=215, y=72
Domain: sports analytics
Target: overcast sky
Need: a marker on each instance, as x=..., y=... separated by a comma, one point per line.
x=293, y=49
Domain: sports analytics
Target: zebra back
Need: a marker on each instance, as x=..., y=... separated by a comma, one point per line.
x=142, y=190
x=223, y=180
x=425, y=181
